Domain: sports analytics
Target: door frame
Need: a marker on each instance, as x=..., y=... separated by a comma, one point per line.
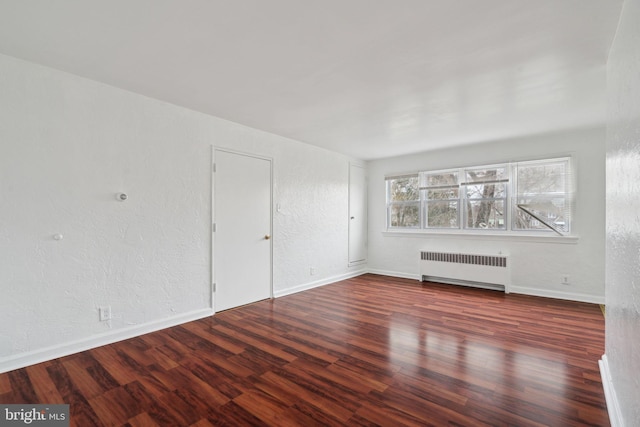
x=213, y=215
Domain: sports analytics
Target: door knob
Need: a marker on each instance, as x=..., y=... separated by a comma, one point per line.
x=267, y=237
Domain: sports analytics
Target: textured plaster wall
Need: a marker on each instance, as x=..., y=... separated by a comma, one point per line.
x=537, y=266
x=623, y=215
x=68, y=145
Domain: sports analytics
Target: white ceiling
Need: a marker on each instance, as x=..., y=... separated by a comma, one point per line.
x=368, y=78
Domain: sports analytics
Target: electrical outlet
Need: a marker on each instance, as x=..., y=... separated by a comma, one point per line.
x=564, y=279
x=105, y=313
x=312, y=270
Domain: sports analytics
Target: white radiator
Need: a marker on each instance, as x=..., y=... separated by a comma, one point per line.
x=479, y=270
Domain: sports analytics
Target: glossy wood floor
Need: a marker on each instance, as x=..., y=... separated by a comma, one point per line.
x=367, y=351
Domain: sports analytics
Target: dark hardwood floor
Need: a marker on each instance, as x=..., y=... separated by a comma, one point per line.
x=371, y=350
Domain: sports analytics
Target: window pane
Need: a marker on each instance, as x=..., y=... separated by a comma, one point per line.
x=485, y=191
x=542, y=178
x=488, y=174
x=542, y=187
x=442, y=214
x=403, y=189
x=485, y=214
x=404, y=215
x=441, y=179
x=443, y=194
x=552, y=210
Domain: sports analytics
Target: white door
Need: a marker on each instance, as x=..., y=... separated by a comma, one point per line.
x=242, y=237
x=357, y=215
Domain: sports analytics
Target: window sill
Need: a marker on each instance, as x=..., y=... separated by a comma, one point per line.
x=466, y=235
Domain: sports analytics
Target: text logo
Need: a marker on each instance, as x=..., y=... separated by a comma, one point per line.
x=34, y=415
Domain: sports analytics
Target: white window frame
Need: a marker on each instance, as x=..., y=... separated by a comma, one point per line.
x=390, y=204
x=510, y=200
x=424, y=200
x=464, y=194
x=566, y=194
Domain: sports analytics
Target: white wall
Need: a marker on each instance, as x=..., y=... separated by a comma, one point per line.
x=537, y=266
x=621, y=367
x=67, y=146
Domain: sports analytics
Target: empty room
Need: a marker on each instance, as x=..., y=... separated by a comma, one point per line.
x=299, y=213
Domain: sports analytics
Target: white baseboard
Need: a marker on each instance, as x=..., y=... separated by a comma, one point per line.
x=395, y=274
x=613, y=406
x=37, y=356
x=317, y=283
x=570, y=296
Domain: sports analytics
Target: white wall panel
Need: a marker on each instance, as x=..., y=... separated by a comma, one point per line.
x=623, y=221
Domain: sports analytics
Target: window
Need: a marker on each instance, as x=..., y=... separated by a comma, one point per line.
x=541, y=200
x=530, y=196
x=403, y=202
x=485, y=193
x=441, y=199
